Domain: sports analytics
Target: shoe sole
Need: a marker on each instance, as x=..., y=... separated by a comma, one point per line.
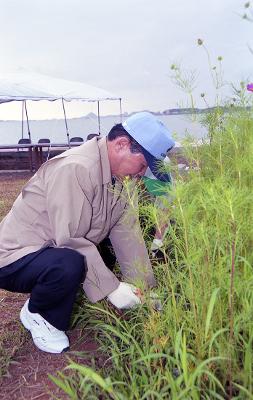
x=26, y=324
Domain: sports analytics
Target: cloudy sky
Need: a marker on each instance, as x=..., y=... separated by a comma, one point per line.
x=125, y=47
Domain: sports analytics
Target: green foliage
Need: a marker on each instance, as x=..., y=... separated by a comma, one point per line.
x=201, y=345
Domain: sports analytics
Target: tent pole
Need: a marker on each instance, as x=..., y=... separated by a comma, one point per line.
x=120, y=110
x=98, y=119
x=23, y=119
x=65, y=120
x=27, y=121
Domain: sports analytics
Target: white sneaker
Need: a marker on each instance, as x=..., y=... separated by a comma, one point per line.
x=45, y=336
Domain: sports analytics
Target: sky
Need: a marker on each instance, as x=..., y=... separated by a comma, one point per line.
x=125, y=47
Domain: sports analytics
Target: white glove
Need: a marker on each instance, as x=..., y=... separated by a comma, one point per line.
x=124, y=296
x=156, y=244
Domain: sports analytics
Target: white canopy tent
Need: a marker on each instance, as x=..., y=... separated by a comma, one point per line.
x=36, y=87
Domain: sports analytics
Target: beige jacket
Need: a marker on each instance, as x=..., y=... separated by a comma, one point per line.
x=70, y=202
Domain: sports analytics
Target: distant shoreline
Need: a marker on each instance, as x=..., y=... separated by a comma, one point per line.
x=168, y=112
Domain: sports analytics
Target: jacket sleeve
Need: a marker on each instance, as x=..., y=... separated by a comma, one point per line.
x=130, y=250
x=69, y=196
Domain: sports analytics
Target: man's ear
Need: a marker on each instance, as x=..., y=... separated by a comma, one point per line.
x=121, y=143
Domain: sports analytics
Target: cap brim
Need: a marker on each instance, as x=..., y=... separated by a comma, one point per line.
x=155, y=165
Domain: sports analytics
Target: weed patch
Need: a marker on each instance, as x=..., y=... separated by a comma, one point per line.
x=200, y=345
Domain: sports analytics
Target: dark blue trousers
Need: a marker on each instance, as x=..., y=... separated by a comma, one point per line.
x=52, y=276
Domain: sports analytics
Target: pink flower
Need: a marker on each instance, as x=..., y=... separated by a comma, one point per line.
x=250, y=87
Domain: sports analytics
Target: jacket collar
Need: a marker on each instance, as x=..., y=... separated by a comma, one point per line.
x=105, y=164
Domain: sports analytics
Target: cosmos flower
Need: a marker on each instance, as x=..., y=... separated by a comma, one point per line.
x=250, y=87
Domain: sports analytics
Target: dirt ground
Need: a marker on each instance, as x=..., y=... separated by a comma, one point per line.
x=26, y=376
x=23, y=368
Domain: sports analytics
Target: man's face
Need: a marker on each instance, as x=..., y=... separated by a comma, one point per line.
x=132, y=164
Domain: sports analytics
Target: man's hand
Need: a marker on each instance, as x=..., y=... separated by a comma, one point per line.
x=124, y=296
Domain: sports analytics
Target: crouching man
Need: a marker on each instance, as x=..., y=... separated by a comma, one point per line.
x=48, y=240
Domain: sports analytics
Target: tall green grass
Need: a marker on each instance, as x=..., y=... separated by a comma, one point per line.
x=201, y=345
